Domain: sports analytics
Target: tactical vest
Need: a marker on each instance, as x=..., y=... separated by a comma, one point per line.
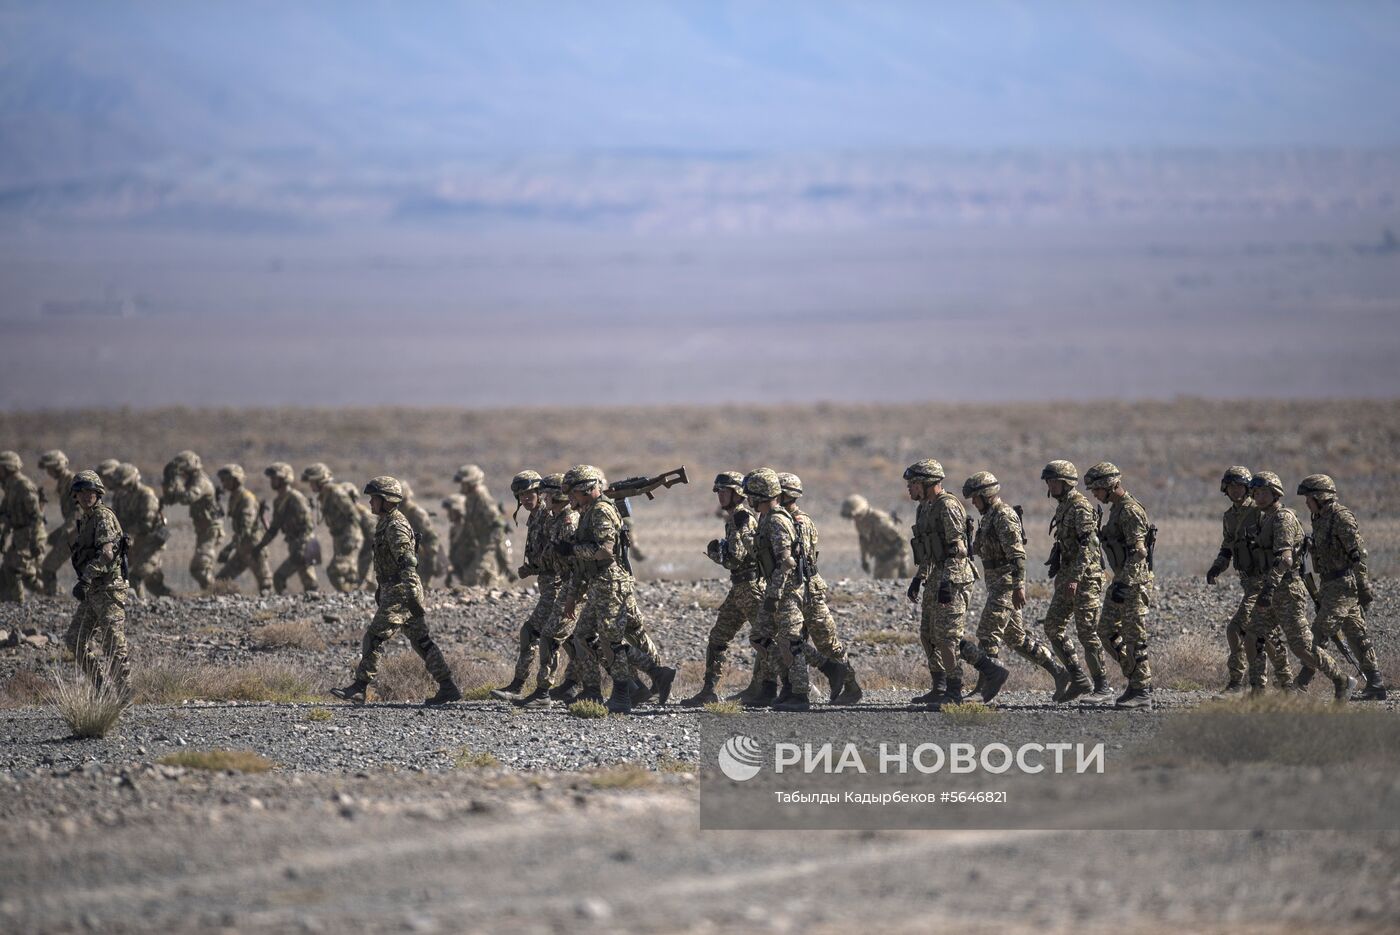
x=763, y=544
x=1250, y=559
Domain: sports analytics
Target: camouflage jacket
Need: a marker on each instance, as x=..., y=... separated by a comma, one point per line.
x=395, y=558
x=483, y=518
x=138, y=510
x=460, y=548
x=998, y=543
x=595, y=547
x=807, y=544
x=1337, y=546
x=22, y=514
x=1075, y=529
x=422, y=523
x=243, y=515
x=338, y=511
x=775, y=547
x=1124, y=538
x=537, y=540
x=737, y=548
x=1239, y=532
x=198, y=494
x=1280, y=535
x=67, y=506
x=561, y=527
x=291, y=516
x=98, y=528
x=940, y=540
x=879, y=537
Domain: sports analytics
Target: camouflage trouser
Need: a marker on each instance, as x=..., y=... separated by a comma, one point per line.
x=206, y=552
x=19, y=569
x=248, y=556
x=1274, y=648
x=295, y=564
x=143, y=560
x=102, y=616
x=739, y=607
x=343, y=570
x=556, y=634
x=941, y=628
x=601, y=631
x=893, y=565
x=533, y=628
x=1001, y=621
x=1338, y=610
x=777, y=635
x=1123, y=633
x=1288, y=612
x=60, y=553
x=1084, y=608
x=400, y=606
x=821, y=626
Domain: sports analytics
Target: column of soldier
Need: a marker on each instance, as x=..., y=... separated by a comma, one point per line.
x=586, y=617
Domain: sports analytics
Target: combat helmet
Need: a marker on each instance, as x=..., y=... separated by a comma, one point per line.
x=387, y=487
x=553, y=486
x=928, y=470
x=791, y=485
x=187, y=461
x=854, y=504
x=280, y=469
x=126, y=474
x=728, y=480
x=407, y=489
x=583, y=477
x=1235, y=474
x=1268, y=480
x=1318, y=486
x=983, y=482
x=1102, y=476
x=10, y=461
x=524, y=482
x=763, y=484
x=469, y=474
x=232, y=470
x=53, y=458
x=88, y=480
x=108, y=469
x=317, y=473
x=1060, y=470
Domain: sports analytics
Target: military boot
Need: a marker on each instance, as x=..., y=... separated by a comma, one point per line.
x=1374, y=690
x=1079, y=683
x=767, y=694
x=564, y=691
x=952, y=695
x=793, y=702
x=706, y=695
x=355, y=692
x=991, y=677
x=1102, y=693
x=851, y=692
x=539, y=696
x=785, y=694
x=1135, y=699
x=446, y=694
x=641, y=691
x=156, y=585
x=621, y=700
x=50, y=583
x=1234, y=687
x=1062, y=680
x=1304, y=677
x=662, y=678
x=594, y=695
x=940, y=685
x=508, y=692
x=835, y=673
x=1343, y=687
x=750, y=691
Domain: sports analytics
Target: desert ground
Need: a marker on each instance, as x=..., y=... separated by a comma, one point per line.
x=483, y=817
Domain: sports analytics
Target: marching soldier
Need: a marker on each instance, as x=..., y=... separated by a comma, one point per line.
x=99, y=549
x=430, y=549
x=881, y=542
x=399, y=596
x=1344, y=593
x=526, y=486
x=1074, y=567
x=139, y=512
x=22, y=524
x=291, y=518
x=1128, y=538
x=458, y=548
x=243, y=551
x=489, y=565
x=368, y=522
x=778, y=632
x=1238, y=545
x=55, y=464
x=557, y=631
x=1001, y=544
x=1283, y=600
x=342, y=519
x=186, y=483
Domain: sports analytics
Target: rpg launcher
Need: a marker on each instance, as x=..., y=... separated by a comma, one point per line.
x=622, y=490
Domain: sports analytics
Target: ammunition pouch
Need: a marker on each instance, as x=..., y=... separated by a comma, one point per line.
x=997, y=564
x=927, y=548
x=766, y=564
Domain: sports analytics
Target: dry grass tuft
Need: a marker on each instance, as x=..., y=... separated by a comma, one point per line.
x=626, y=776
x=288, y=634
x=88, y=710
x=25, y=688
x=403, y=677
x=887, y=637
x=225, y=761
x=969, y=713
x=724, y=708
x=669, y=764
x=223, y=587
x=588, y=709
x=466, y=759
x=169, y=681
x=319, y=714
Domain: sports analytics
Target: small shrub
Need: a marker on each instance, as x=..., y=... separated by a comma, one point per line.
x=476, y=693
x=890, y=637
x=724, y=708
x=224, y=587
x=669, y=764
x=172, y=681
x=228, y=761
x=88, y=710
x=969, y=713
x=588, y=709
x=288, y=634
x=25, y=687
x=466, y=759
x=626, y=776
x=319, y=714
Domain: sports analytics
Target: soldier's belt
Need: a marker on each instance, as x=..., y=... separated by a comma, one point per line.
x=993, y=566
x=1336, y=575
x=745, y=576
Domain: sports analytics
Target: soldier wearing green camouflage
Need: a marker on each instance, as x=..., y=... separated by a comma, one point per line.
x=21, y=530
x=1283, y=599
x=399, y=596
x=1238, y=545
x=526, y=486
x=243, y=553
x=844, y=689
x=1344, y=585
x=778, y=632
x=490, y=564
x=342, y=519
x=431, y=554
x=1075, y=568
x=186, y=483
x=101, y=589
x=55, y=464
x=291, y=518
x=1127, y=541
x=139, y=511
x=557, y=631
x=882, y=551
x=1000, y=543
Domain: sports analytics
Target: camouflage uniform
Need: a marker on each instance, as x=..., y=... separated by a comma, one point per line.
x=1344, y=591
x=139, y=512
x=1074, y=559
x=368, y=523
x=458, y=548
x=243, y=551
x=778, y=631
x=882, y=551
x=1239, y=531
x=338, y=511
x=1000, y=544
x=291, y=518
x=941, y=555
x=537, y=525
x=101, y=590
x=430, y=550
x=60, y=537
x=557, y=631
x=1123, y=620
x=735, y=552
x=489, y=564
x=22, y=528
x=187, y=484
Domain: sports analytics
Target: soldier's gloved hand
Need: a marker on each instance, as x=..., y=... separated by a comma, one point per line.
x=80, y=590
x=1266, y=598
x=914, y=586
x=945, y=592
x=1118, y=592
x=712, y=550
x=523, y=571
x=770, y=604
x=564, y=548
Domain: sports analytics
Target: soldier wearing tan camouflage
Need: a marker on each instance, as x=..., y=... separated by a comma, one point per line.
x=557, y=631
x=490, y=559
x=778, y=632
x=1283, y=599
x=1000, y=543
x=101, y=589
x=1238, y=545
x=1075, y=568
x=338, y=511
x=882, y=548
x=458, y=547
x=1127, y=538
x=243, y=552
x=22, y=530
x=399, y=595
x=526, y=486
x=186, y=483
x=431, y=554
x=368, y=523
x=139, y=512
x=1344, y=584
x=292, y=520
x=55, y=464
x=844, y=689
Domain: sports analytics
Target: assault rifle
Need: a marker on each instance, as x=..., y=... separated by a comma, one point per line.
x=1151, y=543
x=621, y=491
